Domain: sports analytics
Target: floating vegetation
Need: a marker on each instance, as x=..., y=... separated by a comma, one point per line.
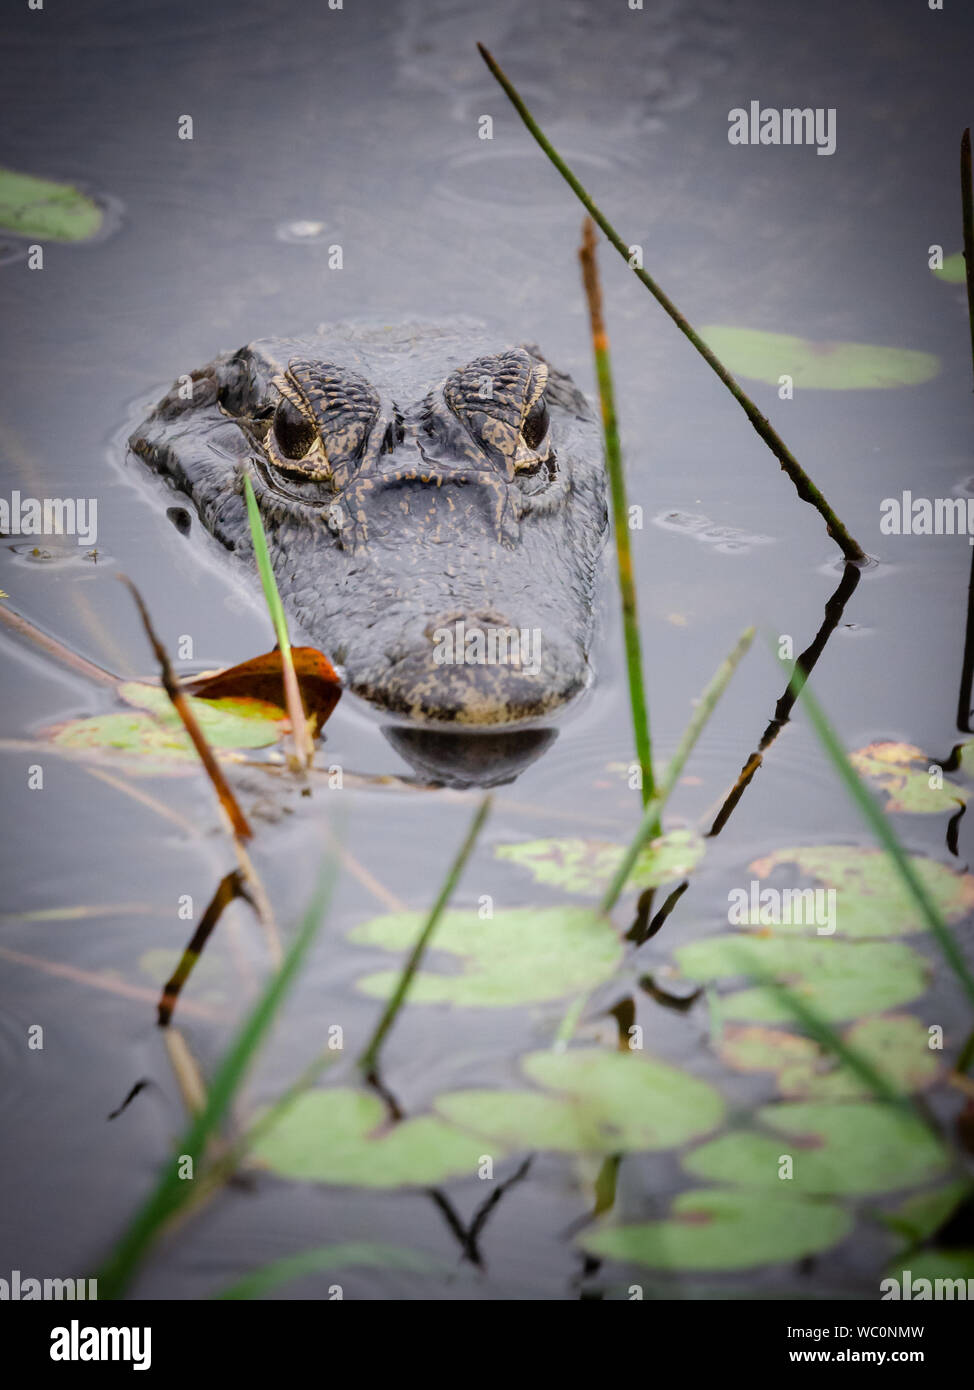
x=818, y=366
x=518, y=956
x=842, y=1150
x=597, y=1102
x=49, y=211
x=587, y=866
x=870, y=899
x=718, y=1229
x=908, y=778
x=840, y=979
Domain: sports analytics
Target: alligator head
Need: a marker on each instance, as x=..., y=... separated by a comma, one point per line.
x=434, y=520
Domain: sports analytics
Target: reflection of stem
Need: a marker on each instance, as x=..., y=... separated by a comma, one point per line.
x=52, y=647
x=967, y=206
x=804, y=666
x=620, y=513
x=967, y=669
x=228, y=889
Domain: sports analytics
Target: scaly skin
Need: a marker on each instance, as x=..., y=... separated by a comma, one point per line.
x=408, y=479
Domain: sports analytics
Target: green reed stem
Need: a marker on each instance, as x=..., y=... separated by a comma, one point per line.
x=620, y=513
x=881, y=828
x=292, y=691
x=173, y=1191
x=651, y=815
x=804, y=486
x=369, y=1060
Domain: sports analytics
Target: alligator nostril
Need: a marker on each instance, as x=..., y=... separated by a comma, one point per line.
x=470, y=621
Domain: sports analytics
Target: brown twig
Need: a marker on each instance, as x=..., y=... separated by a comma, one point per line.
x=172, y=687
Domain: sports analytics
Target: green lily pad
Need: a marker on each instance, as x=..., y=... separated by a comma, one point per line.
x=839, y=979
x=343, y=1137
x=871, y=898
x=603, y=1102
x=158, y=732
x=587, y=866
x=352, y=1254
x=522, y=955
x=896, y=1045
x=716, y=1229
x=227, y=723
x=820, y=366
x=953, y=270
x=138, y=734
x=919, y=1217
x=902, y=772
x=50, y=211
x=836, y=1150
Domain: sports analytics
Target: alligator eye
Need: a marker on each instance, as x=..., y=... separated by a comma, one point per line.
x=293, y=431
x=535, y=425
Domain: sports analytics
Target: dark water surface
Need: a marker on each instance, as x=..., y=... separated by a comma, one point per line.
x=365, y=120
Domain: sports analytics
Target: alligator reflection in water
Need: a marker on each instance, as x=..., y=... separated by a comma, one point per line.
x=466, y=759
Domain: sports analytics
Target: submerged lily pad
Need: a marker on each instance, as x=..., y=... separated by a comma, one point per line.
x=598, y=1102
x=587, y=866
x=897, y=1046
x=871, y=898
x=47, y=210
x=521, y=955
x=902, y=772
x=717, y=1229
x=343, y=1136
x=953, y=270
x=839, y=979
x=822, y=366
x=921, y=1216
x=835, y=1150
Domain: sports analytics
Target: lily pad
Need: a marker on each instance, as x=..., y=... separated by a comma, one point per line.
x=227, y=723
x=871, y=898
x=50, y=211
x=522, y=955
x=717, y=1229
x=587, y=866
x=821, y=366
x=343, y=1137
x=902, y=772
x=921, y=1216
x=896, y=1045
x=138, y=734
x=836, y=1150
x=603, y=1102
x=953, y=270
x=158, y=733
x=839, y=979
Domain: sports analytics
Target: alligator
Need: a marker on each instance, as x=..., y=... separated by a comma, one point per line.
x=434, y=508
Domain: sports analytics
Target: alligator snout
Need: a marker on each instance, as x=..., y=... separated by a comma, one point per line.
x=480, y=668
